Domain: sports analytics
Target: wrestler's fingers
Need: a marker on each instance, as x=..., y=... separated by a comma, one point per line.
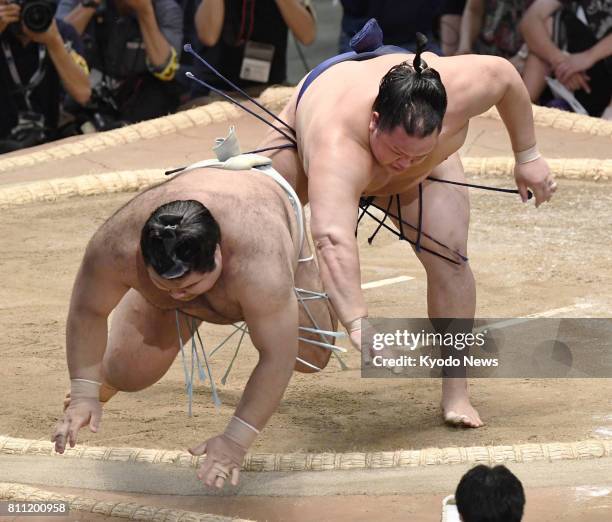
x=60, y=443
x=94, y=421
x=221, y=475
x=206, y=469
x=235, y=476
x=72, y=435
x=210, y=477
x=522, y=188
x=76, y=423
x=59, y=437
x=59, y=428
x=540, y=195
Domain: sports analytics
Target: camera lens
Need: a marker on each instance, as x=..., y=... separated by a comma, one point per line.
x=37, y=16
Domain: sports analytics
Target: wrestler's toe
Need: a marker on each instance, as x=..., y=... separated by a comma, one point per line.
x=457, y=420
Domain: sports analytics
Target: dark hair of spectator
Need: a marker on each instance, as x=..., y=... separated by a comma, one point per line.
x=412, y=96
x=490, y=495
x=180, y=237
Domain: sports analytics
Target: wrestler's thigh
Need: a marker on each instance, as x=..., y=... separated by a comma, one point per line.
x=142, y=343
x=445, y=213
x=319, y=310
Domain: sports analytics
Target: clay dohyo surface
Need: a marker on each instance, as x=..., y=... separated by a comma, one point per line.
x=525, y=261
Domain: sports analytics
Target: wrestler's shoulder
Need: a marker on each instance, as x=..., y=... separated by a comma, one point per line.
x=262, y=272
x=465, y=72
x=114, y=244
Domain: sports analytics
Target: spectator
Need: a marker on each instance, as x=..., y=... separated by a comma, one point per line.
x=491, y=27
x=190, y=36
x=491, y=495
x=573, y=40
x=135, y=45
x=354, y=16
x=450, y=25
x=398, y=19
x=246, y=40
x=34, y=65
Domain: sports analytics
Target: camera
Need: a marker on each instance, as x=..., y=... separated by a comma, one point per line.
x=37, y=15
x=29, y=131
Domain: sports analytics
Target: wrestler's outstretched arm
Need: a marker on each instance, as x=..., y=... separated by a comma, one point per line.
x=337, y=178
x=492, y=81
x=271, y=312
x=96, y=291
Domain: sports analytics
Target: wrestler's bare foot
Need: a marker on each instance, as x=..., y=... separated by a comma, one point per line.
x=456, y=406
x=106, y=392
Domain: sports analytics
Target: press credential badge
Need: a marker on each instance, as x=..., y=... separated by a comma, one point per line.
x=257, y=62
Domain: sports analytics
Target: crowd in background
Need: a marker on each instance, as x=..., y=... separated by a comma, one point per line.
x=83, y=66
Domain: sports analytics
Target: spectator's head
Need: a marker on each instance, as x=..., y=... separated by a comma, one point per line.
x=407, y=113
x=180, y=248
x=490, y=495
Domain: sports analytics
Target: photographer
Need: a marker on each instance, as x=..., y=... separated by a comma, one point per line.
x=135, y=45
x=38, y=56
x=247, y=40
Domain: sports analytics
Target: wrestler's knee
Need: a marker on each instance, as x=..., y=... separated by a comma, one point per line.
x=119, y=373
x=446, y=275
x=117, y=377
x=451, y=260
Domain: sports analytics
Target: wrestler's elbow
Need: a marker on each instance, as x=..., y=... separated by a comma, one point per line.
x=276, y=366
x=498, y=69
x=501, y=76
x=334, y=248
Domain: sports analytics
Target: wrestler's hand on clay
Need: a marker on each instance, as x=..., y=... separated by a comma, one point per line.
x=223, y=460
x=535, y=175
x=81, y=412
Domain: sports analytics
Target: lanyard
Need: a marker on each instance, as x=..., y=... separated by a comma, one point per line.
x=35, y=79
x=242, y=37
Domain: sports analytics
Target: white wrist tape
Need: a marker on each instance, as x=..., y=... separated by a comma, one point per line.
x=84, y=389
x=355, y=324
x=241, y=432
x=526, y=156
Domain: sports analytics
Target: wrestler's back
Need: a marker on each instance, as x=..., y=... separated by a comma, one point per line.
x=257, y=229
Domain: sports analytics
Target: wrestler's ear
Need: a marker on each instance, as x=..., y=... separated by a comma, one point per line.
x=218, y=257
x=374, y=121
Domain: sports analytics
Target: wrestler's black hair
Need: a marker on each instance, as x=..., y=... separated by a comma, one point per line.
x=411, y=95
x=180, y=237
x=487, y=494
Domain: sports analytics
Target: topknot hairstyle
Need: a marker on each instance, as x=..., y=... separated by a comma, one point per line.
x=180, y=237
x=411, y=95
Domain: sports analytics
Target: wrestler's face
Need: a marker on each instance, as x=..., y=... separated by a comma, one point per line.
x=192, y=284
x=396, y=150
